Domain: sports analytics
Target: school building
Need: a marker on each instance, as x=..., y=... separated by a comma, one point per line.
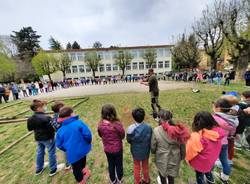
x=108, y=67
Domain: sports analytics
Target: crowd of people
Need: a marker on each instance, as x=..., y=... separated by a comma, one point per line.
x=211, y=143
x=196, y=75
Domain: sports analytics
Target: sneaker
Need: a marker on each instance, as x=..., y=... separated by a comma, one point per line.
x=39, y=171
x=218, y=164
x=86, y=176
x=53, y=172
x=119, y=181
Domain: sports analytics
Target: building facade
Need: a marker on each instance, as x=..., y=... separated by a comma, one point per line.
x=108, y=67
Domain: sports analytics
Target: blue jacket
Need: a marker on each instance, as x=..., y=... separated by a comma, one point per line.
x=74, y=138
x=139, y=136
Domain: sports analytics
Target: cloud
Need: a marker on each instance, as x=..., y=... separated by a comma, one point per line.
x=125, y=22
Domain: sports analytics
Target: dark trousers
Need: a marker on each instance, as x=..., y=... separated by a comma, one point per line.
x=163, y=179
x=1, y=96
x=155, y=104
x=15, y=96
x=201, y=180
x=227, y=81
x=78, y=167
x=115, y=164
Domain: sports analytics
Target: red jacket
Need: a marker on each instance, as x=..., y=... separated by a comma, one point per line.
x=112, y=135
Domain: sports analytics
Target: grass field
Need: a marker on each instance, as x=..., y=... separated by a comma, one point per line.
x=17, y=165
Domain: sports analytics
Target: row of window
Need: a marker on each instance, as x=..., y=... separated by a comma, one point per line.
x=107, y=55
x=114, y=67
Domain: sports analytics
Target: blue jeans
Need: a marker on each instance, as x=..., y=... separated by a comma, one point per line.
x=224, y=159
x=40, y=153
x=201, y=179
x=219, y=80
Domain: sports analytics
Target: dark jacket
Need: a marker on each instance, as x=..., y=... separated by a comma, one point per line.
x=74, y=137
x=40, y=123
x=2, y=90
x=139, y=136
x=244, y=119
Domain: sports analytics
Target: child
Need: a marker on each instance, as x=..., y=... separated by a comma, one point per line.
x=111, y=131
x=139, y=136
x=228, y=123
x=243, y=130
x=167, y=144
x=74, y=138
x=44, y=136
x=56, y=125
x=204, y=146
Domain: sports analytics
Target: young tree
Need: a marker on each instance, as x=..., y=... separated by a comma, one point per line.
x=186, y=52
x=97, y=45
x=64, y=63
x=54, y=44
x=122, y=59
x=68, y=46
x=150, y=56
x=27, y=42
x=75, y=45
x=92, y=60
x=45, y=64
x=210, y=34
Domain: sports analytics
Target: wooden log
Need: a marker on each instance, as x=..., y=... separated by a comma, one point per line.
x=10, y=105
x=15, y=142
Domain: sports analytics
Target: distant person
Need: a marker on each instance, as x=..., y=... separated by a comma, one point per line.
x=15, y=91
x=74, y=137
x=139, y=137
x=247, y=77
x=204, y=146
x=168, y=144
x=219, y=76
x=2, y=92
x=6, y=93
x=227, y=78
x=111, y=130
x=152, y=82
x=24, y=89
x=232, y=74
x=39, y=122
x=56, y=125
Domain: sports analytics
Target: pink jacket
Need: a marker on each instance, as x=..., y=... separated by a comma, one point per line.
x=229, y=129
x=205, y=160
x=112, y=135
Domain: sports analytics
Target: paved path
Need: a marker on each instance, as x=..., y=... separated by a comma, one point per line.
x=111, y=88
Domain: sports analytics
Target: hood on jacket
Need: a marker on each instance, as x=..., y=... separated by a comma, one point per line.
x=231, y=119
x=68, y=120
x=178, y=132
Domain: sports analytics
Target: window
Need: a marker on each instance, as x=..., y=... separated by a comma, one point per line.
x=114, y=54
x=73, y=57
x=141, y=66
x=128, y=66
x=68, y=70
x=115, y=67
x=107, y=55
x=133, y=53
x=160, y=64
x=167, y=52
x=81, y=68
x=88, y=69
x=135, y=66
x=80, y=57
x=154, y=65
x=160, y=52
x=101, y=68
x=100, y=54
x=167, y=64
x=74, y=69
x=108, y=67
x=141, y=53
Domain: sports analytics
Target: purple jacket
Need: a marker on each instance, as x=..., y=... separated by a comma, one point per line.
x=112, y=135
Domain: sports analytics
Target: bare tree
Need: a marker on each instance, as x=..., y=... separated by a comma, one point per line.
x=209, y=32
x=64, y=63
x=122, y=59
x=92, y=60
x=150, y=56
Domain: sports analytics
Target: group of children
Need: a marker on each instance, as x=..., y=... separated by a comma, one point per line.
x=213, y=138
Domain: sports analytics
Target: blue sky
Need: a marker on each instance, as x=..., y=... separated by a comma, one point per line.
x=112, y=22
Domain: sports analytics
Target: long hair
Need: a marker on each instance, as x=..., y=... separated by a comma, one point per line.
x=109, y=113
x=202, y=120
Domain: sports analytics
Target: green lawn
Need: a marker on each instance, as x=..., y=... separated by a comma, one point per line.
x=17, y=165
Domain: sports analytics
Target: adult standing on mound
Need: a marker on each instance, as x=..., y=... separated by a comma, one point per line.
x=152, y=82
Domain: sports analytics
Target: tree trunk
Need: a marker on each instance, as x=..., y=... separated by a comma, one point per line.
x=49, y=77
x=213, y=63
x=123, y=72
x=64, y=75
x=242, y=66
x=93, y=71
